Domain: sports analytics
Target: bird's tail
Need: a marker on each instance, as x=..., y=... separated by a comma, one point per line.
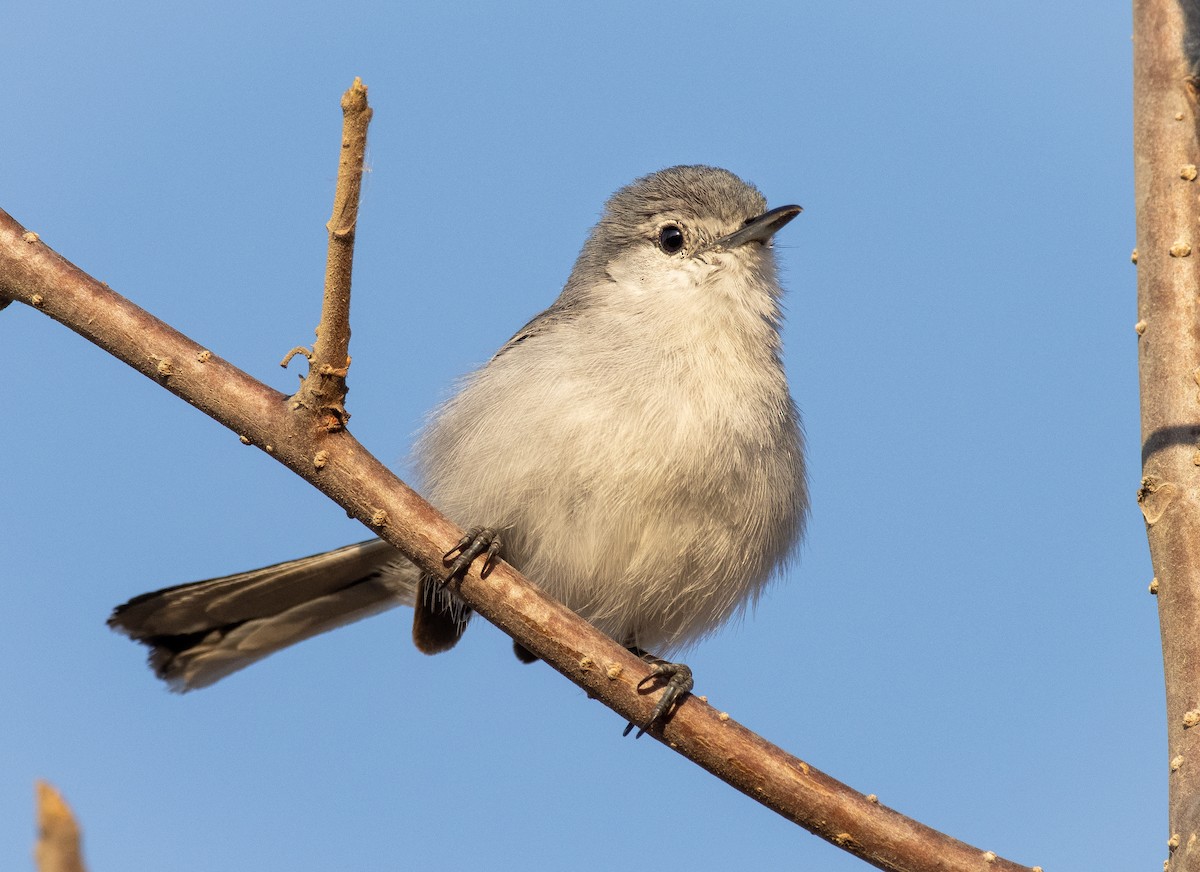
x=200, y=632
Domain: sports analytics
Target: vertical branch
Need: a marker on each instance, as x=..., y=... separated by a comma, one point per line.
x=1168, y=236
x=324, y=388
x=58, y=834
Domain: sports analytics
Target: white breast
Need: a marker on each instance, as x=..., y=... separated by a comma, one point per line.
x=643, y=468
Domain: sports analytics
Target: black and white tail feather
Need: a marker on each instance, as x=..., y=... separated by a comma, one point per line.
x=198, y=633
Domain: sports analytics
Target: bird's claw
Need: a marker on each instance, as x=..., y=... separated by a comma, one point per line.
x=679, y=684
x=479, y=540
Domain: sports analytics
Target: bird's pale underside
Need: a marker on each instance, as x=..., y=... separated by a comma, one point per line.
x=634, y=448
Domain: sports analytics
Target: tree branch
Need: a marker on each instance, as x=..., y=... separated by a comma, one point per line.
x=1166, y=150
x=336, y=464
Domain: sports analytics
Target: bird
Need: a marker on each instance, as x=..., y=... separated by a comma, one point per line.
x=634, y=450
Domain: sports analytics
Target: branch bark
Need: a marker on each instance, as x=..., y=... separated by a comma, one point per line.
x=58, y=845
x=1166, y=188
x=335, y=463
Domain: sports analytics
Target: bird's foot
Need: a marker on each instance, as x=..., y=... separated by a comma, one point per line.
x=679, y=684
x=479, y=540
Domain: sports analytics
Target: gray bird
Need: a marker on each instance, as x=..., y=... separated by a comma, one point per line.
x=634, y=450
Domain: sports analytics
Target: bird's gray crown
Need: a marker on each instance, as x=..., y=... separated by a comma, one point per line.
x=707, y=193
x=711, y=201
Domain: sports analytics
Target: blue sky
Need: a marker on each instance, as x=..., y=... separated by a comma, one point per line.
x=968, y=633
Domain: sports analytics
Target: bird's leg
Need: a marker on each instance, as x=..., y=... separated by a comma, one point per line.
x=679, y=684
x=477, y=541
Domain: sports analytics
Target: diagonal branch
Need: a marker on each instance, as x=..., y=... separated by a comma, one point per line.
x=337, y=465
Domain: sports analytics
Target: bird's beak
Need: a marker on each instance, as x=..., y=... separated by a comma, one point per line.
x=759, y=229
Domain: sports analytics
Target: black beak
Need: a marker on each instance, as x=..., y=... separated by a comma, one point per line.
x=759, y=229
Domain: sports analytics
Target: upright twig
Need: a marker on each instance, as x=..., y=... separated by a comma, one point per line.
x=1165, y=175
x=324, y=388
x=58, y=848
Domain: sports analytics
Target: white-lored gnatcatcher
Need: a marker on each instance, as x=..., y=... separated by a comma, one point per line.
x=633, y=449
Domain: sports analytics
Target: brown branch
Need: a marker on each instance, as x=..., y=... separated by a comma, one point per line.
x=57, y=848
x=336, y=464
x=1165, y=156
x=324, y=388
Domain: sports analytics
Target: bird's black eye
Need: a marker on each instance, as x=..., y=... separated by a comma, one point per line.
x=670, y=239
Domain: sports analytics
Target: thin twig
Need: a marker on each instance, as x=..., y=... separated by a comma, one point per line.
x=1166, y=151
x=58, y=848
x=324, y=388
